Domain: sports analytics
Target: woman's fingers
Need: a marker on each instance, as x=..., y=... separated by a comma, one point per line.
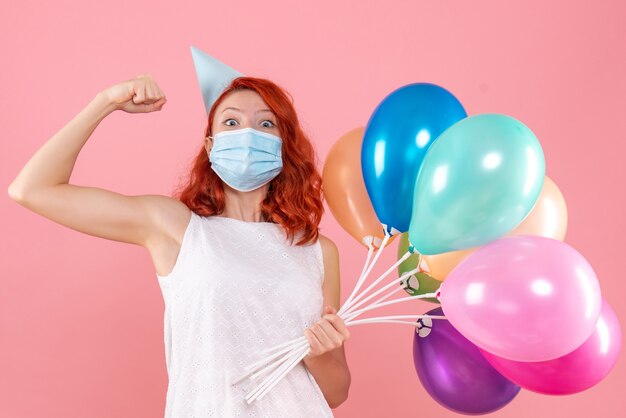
x=324, y=337
x=316, y=346
x=140, y=91
x=328, y=333
x=339, y=324
x=147, y=91
x=333, y=338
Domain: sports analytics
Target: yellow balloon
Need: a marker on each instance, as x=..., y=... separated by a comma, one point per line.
x=548, y=218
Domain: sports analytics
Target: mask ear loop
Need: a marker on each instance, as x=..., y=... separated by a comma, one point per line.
x=212, y=138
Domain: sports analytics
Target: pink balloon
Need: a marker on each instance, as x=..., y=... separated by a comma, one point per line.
x=524, y=298
x=574, y=372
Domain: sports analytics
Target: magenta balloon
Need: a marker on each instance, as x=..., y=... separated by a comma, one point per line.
x=524, y=298
x=574, y=372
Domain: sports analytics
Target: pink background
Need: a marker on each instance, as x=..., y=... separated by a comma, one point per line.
x=81, y=318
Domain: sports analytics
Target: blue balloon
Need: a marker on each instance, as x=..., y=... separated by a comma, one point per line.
x=454, y=372
x=396, y=139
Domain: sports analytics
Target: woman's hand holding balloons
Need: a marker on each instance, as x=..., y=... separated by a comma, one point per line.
x=327, y=334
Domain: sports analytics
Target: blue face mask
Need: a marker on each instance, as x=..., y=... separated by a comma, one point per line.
x=246, y=159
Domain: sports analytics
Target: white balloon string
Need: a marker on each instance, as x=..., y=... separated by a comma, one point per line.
x=370, y=251
x=362, y=276
x=253, y=368
x=407, y=316
x=392, y=283
x=270, y=381
x=270, y=367
x=295, y=343
x=294, y=351
x=284, y=350
x=382, y=320
x=359, y=281
x=385, y=274
x=350, y=315
x=285, y=344
x=366, y=270
x=392, y=302
x=284, y=373
x=282, y=359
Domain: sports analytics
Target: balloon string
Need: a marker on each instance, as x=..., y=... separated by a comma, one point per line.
x=257, y=390
x=283, y=359
x=254, y=367
x=285, y=344
x=351, y=315
x=392, y=283
x=273, y=365
x=284, y=373
x=292, y=359
x=393, y=302
x=348, y=315
x=253, y=371
x=392, y=320
x=362, y=275
x=277, y=375
x=385, y=274
x=367, y=271
x=292, y=351
x=370, y=251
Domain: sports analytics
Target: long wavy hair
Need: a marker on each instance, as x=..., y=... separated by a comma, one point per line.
x=294, y=199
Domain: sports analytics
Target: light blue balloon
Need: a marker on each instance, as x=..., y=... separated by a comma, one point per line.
x=479, y=180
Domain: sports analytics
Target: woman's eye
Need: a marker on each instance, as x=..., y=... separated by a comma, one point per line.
x=227, y=122
x=267, y=123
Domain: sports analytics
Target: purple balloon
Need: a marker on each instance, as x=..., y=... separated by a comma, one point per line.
x=574, y=372
x=455, y=373
x=524, y=298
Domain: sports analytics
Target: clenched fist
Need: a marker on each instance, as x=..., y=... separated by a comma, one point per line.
x=139, y=95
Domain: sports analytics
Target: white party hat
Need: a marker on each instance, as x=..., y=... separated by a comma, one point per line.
x=213, y=75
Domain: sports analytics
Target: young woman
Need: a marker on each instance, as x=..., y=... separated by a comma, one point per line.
x=237, y=252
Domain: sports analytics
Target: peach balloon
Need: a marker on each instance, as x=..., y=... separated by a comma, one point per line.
x=548, y=218
x=345, y=192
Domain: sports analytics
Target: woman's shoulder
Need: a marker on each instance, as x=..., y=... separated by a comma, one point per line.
x=169, y=215
x=329, y=248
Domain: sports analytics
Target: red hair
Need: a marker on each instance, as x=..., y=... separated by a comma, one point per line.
x=294, y=198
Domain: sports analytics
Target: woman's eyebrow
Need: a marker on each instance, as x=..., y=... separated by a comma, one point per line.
x=239, y=110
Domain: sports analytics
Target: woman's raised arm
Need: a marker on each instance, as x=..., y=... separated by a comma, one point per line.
x=43, y=183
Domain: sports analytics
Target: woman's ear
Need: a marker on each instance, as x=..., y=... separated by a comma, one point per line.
x=208, y=144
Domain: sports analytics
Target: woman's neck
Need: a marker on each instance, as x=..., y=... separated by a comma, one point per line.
x=245, y=206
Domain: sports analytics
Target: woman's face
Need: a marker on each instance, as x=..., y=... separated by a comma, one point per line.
x=242, y=109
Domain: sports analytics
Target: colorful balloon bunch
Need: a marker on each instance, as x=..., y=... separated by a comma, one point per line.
x=482, y=232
